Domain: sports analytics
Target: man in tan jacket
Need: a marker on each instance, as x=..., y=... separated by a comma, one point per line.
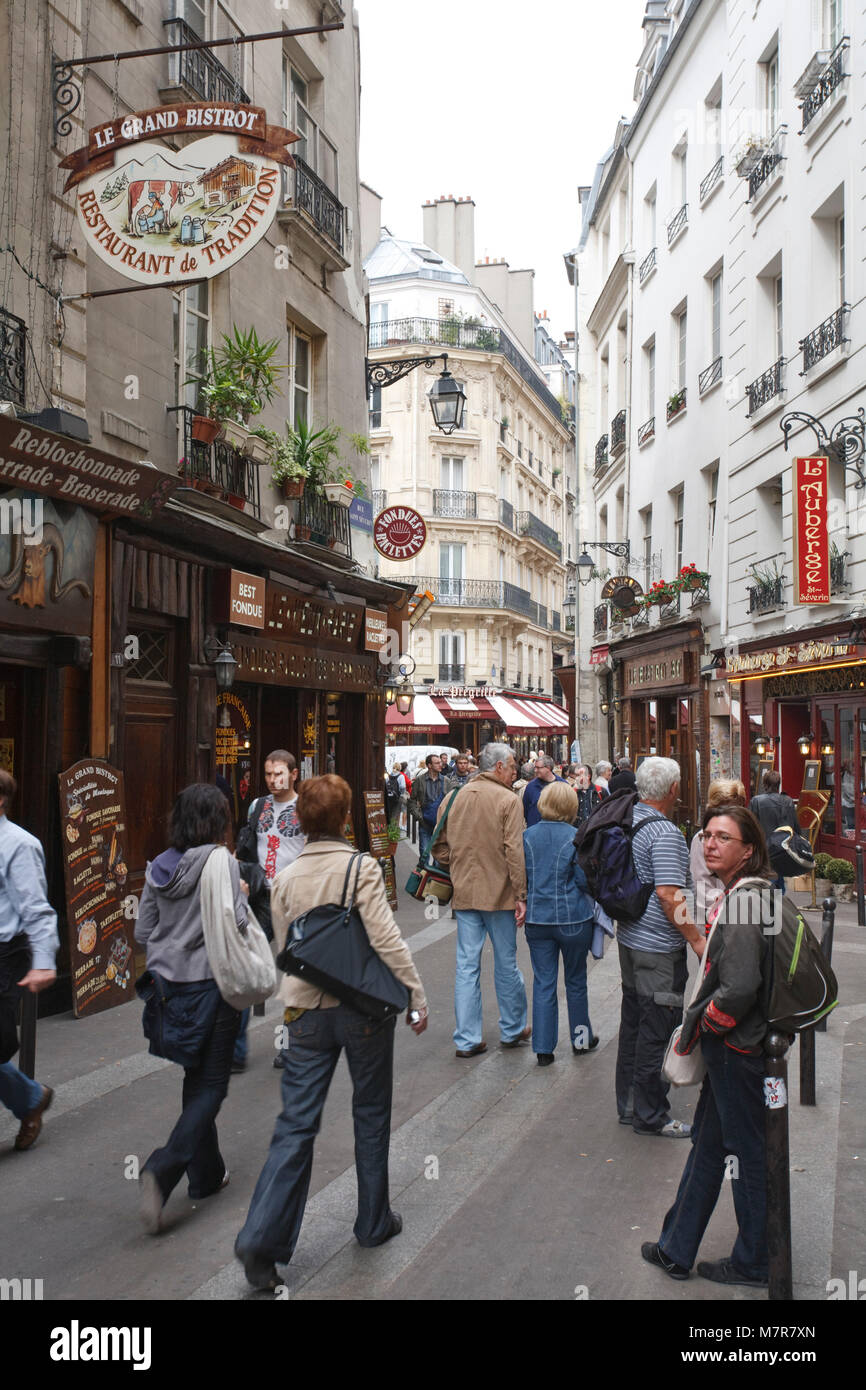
x=482, y=845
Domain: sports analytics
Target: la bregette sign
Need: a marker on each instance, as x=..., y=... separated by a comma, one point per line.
x=160, y=215
x=811, y=539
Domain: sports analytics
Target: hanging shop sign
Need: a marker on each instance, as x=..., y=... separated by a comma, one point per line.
x=623, y=592
x=798, y=656
x=375, y=629
x=292, y=614
x=239, y=598
x=399, y=533
x=57, y=466
x=100, y=915
x=599, y=655
x=811, y=537
x=160, y=215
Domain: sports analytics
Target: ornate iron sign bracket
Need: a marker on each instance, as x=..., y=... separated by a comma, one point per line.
x=846, y=441
x=66, y=96
x=386, y=373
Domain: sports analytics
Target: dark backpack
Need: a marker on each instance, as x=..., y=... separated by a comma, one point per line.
x=246, y=844
x=394, y=785
x=604, y=852
x=802, y=988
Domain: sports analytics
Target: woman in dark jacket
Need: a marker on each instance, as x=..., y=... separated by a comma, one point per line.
x=728, y=1021
x=195, y=1027
x=559, y=921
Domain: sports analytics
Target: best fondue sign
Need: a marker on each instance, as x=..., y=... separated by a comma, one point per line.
x=399, y=533
x=160, y=215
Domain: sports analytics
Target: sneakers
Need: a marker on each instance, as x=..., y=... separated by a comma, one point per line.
x=655, y=1256
x=674, y=1129
x=726, y=1272
x=31, y=1125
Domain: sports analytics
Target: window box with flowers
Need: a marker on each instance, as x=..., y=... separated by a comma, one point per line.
x=662, y=591
x=690, y=577
x=676, y=404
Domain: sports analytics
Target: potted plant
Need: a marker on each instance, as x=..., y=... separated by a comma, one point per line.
x=840, y=872
x=676, y=402
x=823, y=886
x=660, y=592
x=239, y=381
x=748, y=155
x=393, y=836
x=286, y=471
x=690, y=577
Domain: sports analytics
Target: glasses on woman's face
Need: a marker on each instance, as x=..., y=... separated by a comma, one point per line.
x=723, y=838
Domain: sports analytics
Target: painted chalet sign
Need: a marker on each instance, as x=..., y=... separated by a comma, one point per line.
x=160, y=215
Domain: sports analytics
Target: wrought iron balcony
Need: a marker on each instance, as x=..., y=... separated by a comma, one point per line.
x=197, y=69
x=770, y=159
x=647, y=265
x=599, y=620
x=824, y=339
x=601, y=458
x=677, y=223
x=647, y=431
x=506, y=514
x=321, y=522
x=555, y=624
x=454, y=504
x=769, y=384
x=676, y=405
x=713, y=178
x=451, y=674
x=518, y=680
x=709, y=376
x=13, y=355
x=520, y=448
x=542, y=615
x=669, y=611
x=826, y=84
x=456, y=333
x=838, y=581
x=482, y=593
x=218, y=469
x=617, y=434
x=764, y=597
x=528, y=524
x=314, y=197
x=379, y=499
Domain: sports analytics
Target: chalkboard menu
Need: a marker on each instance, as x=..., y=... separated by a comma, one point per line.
x=387, y=867
x=93, y=832
x=380, y=846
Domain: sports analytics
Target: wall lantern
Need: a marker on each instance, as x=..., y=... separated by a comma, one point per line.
x=804, y=743
x=447, y=401
x=219, y=654
x=828, y=748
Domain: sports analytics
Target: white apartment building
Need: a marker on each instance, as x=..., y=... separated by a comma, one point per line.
x=725, y=294
x=497, y=495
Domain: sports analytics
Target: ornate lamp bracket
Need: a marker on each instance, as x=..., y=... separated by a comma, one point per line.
x=66, y=96
x=386, y=373
x=846, y=441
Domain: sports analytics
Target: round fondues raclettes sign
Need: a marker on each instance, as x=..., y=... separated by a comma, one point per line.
x=399, y=533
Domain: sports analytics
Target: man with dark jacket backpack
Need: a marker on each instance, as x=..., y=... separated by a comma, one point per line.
x=773, y=809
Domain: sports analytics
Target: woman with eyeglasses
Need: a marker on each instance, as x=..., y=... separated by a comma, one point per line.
x=725, y=791
x=728, y=1021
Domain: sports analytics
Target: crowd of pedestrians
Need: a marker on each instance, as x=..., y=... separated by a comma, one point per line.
x=511, y=839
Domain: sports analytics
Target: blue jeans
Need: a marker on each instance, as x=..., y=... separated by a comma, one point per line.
x=17, y=1092
x=316, y=1040
x=472, y=928
x=425, y=835
x=192, y=1145
x=572, y=940
x=241, y=1041
x=729, y=1122
x=652, y=1006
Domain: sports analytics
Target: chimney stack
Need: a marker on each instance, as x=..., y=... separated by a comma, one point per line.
x=449, y=228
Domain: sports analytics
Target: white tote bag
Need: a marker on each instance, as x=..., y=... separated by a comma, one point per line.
x=688, y=1070
x=240, y=958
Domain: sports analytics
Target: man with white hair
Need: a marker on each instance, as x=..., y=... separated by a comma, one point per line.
x=652, y=954
x=602, y=778
x=482, y=844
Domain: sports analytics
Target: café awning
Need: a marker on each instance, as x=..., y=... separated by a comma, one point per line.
x=546, y=716
x=423, y=717
x=516, y=720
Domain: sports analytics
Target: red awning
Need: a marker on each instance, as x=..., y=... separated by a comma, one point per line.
x=423, y=717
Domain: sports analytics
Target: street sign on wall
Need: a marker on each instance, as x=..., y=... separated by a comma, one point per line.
x=811, y=538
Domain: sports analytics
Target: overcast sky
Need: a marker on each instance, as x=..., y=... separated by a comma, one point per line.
x=509, y=103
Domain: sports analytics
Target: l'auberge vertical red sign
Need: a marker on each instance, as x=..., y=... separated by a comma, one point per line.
x=811, y=538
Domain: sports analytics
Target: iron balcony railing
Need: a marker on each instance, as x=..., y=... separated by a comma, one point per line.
x=670, y=610
x=826, y=85
x=542, y=615
x=456, y=333
x=449, y=674
x=506, y=514
x=824, y=339
x=518, y=680
x=528, y=524
x=520, y=448
x=601, y=458
x=483, y=593
x=599, y=620
x=647, y=430
x=198, y=69
x=217, y=468
x=765, y=596
x=709, y=376
x=315, y=198
x=766, y=386
x=838, y=580
x=770, y=159
x=617, y=433
x=676, y=404
x=555, y=623
x=712, y=178
x=323, y=522
x=647, y=264
x=677, y=222
x=13, y=356
x=454, y=504
x=379, y=499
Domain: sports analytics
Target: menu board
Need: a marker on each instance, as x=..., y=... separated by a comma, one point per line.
x=380, y=846
x=93, y=833
x=387, y=867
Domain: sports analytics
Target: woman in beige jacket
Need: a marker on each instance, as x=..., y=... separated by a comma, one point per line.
x=316, y=1029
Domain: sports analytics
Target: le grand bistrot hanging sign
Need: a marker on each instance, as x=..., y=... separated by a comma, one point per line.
x=160, y=215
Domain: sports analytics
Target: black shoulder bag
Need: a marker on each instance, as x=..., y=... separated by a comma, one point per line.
x=329, y=947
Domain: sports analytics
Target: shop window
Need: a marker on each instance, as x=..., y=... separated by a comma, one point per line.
x=827, y=739
x=847, y=783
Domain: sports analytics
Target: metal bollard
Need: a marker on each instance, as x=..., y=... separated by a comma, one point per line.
x=807, y=1067
x=781, y=1287
x=828, y=918
x=861, y=891
x=27, y=1050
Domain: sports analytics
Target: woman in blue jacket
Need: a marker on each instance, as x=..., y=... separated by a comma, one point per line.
x=559, y=920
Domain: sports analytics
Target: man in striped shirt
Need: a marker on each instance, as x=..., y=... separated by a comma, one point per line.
x=652, y=953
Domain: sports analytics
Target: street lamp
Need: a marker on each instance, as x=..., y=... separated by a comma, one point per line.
x=219, y=654
x=398, y=687
x=585, y=569
x=585, y=565
x=446, y=396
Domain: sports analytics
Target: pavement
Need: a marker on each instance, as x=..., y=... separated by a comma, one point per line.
x=514, y=1181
